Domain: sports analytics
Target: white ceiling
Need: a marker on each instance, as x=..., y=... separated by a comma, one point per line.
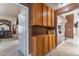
x=56, y=6
x=11, y=9
x=8, y=9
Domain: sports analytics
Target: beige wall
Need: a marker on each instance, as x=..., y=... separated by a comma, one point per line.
x=10, y=18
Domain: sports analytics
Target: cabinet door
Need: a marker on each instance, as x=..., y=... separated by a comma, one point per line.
x=54, y=41
x=33, y=14
x=37, y=46
x=52, y=18
x=39, y=14
x=45, y=45
x=49, y=16
x=34, y=46
x=45, y=12
x=50, y=43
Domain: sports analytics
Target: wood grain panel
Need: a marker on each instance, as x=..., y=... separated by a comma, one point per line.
x=45, y=45
x=45, y=12
x=52, y=22
x=67, y=8
x=50, y=43
x=39, y=14
x=54, y=41
x=37, y=49
x=49, y=16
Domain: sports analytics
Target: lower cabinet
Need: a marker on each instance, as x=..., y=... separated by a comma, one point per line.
x=50, y=43
x=37, y=47
x=54, y=41
x=46, y=46
x=42, y=45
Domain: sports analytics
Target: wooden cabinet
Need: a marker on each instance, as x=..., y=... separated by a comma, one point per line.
x=49, y=16
x=50, y=43
x=52, y=18
x=42, y=15
x=38, y=14
x=46, y=45
x=37, y=46
x=45, y=13
x=42, y=44
x=54, y=41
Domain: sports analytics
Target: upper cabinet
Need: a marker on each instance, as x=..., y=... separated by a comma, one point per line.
x=49, y=17
x=38, y=14
x=42, y=15
x=53, y=22
x=45, y=12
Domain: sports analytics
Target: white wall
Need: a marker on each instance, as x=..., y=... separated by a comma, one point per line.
x=60, y=37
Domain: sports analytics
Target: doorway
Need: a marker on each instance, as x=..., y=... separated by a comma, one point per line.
x=13, y=29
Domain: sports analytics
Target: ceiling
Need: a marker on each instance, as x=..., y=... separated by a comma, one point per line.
x=56, y=6
x=11, y=9
x=8, y=9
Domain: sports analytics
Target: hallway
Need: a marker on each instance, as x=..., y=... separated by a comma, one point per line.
x=69, y=48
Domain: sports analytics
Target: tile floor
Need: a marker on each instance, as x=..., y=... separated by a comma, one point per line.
x=69, y=48
x=8, y=47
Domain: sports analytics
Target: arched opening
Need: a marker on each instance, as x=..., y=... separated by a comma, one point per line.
x=5, y=27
